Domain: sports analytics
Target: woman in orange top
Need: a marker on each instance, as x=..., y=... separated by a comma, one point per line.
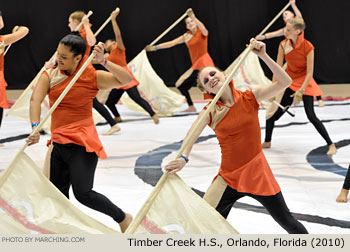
x=287, y=15
x=77, y=146
x=17, y=34
x=116, y=50
x=86, y=33
x=196, y=39
x=244, y=170
x=299, y=55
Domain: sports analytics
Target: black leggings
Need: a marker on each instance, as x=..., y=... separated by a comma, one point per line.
x=134, y=94
x=100, y=108
x=347, y=180
x=274, y=204
x=310, y=113
x=70, y=164
x=1, y=114
x=191, y=81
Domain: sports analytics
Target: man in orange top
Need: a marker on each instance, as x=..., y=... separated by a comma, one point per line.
x=196, y=39
x=116, y=50
x=299, y=55
x=5, y=40
x=77, y=146
x=244, y=170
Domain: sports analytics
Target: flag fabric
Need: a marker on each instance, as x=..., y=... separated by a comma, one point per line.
x=152, y=88
x=30, y=204
x=174, y=208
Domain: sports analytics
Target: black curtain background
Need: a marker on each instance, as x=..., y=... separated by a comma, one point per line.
x=231, y=23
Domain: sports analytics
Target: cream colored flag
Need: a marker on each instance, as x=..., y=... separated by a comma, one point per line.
x=174, y=208
x=30, y=204
x=152, y=88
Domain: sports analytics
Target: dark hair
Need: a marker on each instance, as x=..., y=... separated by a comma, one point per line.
x=75, y=42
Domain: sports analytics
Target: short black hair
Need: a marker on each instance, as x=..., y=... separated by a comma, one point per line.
x=75, y=42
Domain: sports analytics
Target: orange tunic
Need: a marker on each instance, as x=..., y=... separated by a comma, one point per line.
x=82, y=33
x=198, y=49
x=3, y=84
x=243, y=163
x=72, y=121
x=117, y=56
x=297, y=64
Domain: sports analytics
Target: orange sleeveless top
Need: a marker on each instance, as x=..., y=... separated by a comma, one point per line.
x=243, y=163
x=117, y=56
x=3, y=84
x=297, y=64
x=82, y=33
x=72, y=121
x=198, y=49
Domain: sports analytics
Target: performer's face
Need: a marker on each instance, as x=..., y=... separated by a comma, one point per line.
x=291, y=32
x=109, y=44
x=190, y=24
x=211, y=79
x=287, y=15
x=66, y=61
x=72, y=24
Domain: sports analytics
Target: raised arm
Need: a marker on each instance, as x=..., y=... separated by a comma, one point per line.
x=118, y=36
x=17, y=34
x=90, y=37
x=200, y=25
x=281, y=78
x=40, y=91
x=1, y=21
x=116, y=76
x=295, y=8
x=179, y=163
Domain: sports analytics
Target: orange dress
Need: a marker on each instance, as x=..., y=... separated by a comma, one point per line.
x=3, y=84
x=72, y=121
x=243, y=163
x=117, y=56
x=297, y=64
x=198, y=49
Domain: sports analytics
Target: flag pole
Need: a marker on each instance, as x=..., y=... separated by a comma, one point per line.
x=104, y=24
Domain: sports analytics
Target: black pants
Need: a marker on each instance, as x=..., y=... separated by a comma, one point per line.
x=71, y=165
x=1, y=114
x=191, y=81
x=100, y=108
x=134, y=94
x=347, y=180
x=310, y=113
x=274, y=204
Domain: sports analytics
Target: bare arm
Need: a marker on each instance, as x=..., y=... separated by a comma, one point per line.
x=116, y=76
x=90, y=37
x=268, y=35
x=174, y=42
x=1, y=21
x=40, y=91
x=200, y=25
x=295, y=8
x=281, y=78
x=118, y=36
x=177, y=164
x=15, y=36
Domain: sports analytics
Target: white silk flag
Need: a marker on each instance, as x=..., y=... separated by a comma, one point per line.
x=30, y=204
x=174, y=208
x=152, y=88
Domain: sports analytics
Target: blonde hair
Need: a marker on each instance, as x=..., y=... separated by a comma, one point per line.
x=77, y=15
x=297, y=23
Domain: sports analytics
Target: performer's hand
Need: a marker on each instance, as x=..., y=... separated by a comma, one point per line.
x=298, y=97
x=175, y=165
x=260, y=37
x=259, y=48
x=33, y=138
x=115, y=13
x=85, y=20
x=150, y=48
x=190, y=13
x=292, y=2
x=99, y=52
